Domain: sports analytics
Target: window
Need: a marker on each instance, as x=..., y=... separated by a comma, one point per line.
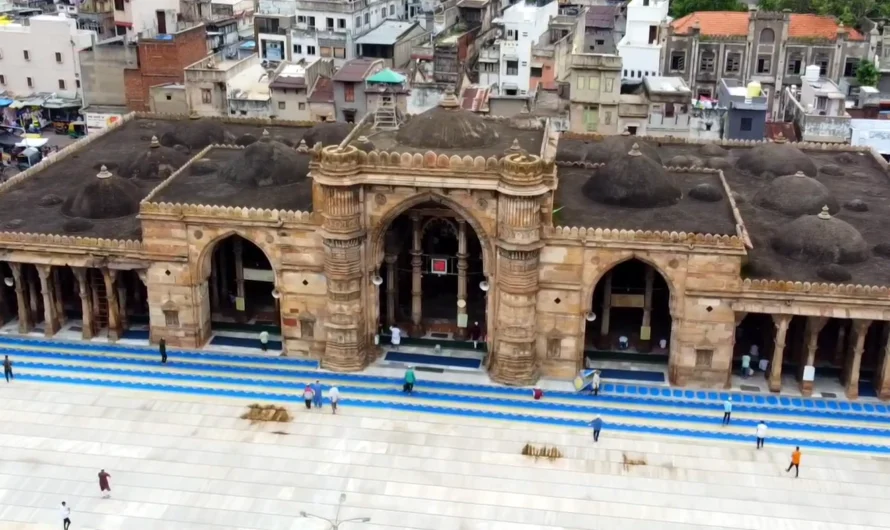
x=341, y=23
x=668, y=110
x=349, y=92
x=703, y=358
x=581, y=81
x=61, y=84
x=600, y=42
x=282, y=105
x=301, y=106
x=367, y=18
x=118, y=5
x=733, y=63
x=27, y=55
x=767, y=36
x=310, y=50
x=311, y=21
x=610, y=84
x=704, y=93
x=2, y=79
x=850, y=67
x=512, y=67
x=340, y=53
x=358, y=21
x=554, y=348
x=536, y=72
x=77, y=83
x=764, y=64
x=58, y=57
x=30, y=83
x=325, y=51
x=794, y=63
x=608, y=118
x=746, y=124
x=706, y=62
x=307, y=328
x=171, y=318
x=206, y=96
x=298, y=49
x=301, y=19
x=329, y=23
x=822, y=61
x=653, y=34
x=392, y=10
x=678, y=61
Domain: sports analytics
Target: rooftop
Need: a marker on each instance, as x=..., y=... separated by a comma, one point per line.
x=291, y=76
x=602, y=16
x=251, y=84
x=666, y=85
x=387, y=33
x=735, y=24
x=356, y=70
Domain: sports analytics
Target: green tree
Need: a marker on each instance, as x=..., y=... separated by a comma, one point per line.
x=681, y=8
x=867, y=73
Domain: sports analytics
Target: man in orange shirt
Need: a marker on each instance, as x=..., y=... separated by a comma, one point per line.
x=795, y=462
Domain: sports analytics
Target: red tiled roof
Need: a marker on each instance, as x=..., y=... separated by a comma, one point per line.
x=355, y=70
x=735, y=24
x=323, y=92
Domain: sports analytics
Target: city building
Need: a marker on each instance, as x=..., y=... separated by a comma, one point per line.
x=817, y=108
x=604, y=26
x=595, y=88
x=391, y=41
x=350, y=88
x=217, y=86
x=291, y=87
x=746, y=110
x=98, y=16
x=147, y=17
x=242, y=10
x=641, y=46
x=102, y=67
x=769, y=48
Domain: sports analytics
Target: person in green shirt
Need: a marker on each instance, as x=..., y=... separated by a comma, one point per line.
x=746, y=365
x=410, y=379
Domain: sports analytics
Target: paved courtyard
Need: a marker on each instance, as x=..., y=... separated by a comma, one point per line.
x=183, y=462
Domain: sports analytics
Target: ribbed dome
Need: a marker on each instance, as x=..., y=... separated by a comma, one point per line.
x=796, y=195
x=196, y=133
x=268, y=163
x=602, y=151
x=447, y=126
x=155, y=163
x=776, y=158
x=821, y=239
x=328, y=133
x=633, y=180
x=105, y=197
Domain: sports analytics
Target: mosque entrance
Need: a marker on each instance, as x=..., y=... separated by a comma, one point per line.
x=630, y=317
x=431, y=274
x=243, y=298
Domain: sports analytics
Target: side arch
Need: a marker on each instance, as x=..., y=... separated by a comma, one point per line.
x=674, y=304
x=205, y=254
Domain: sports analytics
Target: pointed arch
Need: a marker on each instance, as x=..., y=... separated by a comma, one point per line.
x=205, y=255
x=587, y=290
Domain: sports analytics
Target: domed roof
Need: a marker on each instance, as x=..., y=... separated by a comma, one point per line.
x=196, y=133
x=268, y=163
x=778, y=158
x=155, y=163
x=633, y=180
x=602, y=151
x=447, y=126
x=328, y=133
x=363, y=143
x=107, y=196
x=821, y=239
x=796, y=195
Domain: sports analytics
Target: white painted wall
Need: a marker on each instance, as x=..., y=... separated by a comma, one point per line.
x=637, y=54
x=523, y=25
x=871, y=133
x=42, y=39
x=142, y=15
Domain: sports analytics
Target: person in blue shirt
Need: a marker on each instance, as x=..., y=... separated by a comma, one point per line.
x=727, y=410
x=317, y=394
x=597, y=425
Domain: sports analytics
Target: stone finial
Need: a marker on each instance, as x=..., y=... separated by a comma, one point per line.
x=824, y=213
x=449, y=100
x=194, y=116
x=104, y=173
x=780, y=138
x=302, y=148
x=155, y=143
x=635, y=150
x=266, y=133
x=514, y=147
x=363, y=139
x=800, y=174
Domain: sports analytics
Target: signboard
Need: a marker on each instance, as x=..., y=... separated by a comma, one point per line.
x=239, y=303
x=809, y=372
x=438, y=265
x=97, y=122
x=462, y=320
x=259, y=275
x=628, y=300
x=645, y=333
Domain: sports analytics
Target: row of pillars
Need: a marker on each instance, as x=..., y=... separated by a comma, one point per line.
x=848, y=350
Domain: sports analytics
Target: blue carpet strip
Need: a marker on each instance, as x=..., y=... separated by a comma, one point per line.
x=241, y=342
x=431, y=409
x=440, y=360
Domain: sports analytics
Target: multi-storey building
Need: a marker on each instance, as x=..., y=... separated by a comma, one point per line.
x=98, y=16
x=132, y=17
x=640, y=48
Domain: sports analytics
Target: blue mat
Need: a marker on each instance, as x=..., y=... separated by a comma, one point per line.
x=632, y=375
x=141, y=334
x=439, y=360
x=244, y=343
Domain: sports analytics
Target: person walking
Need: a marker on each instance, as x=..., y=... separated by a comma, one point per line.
x=537, y=393
x=264, y=340
x=410, y=379
x=162, y=349
x=761, y=434
x=475, y=334
x=596, y=383
x=395, y=336
x=334, y=396
x=66, y=515
x=746, y=365
x=597, y=425
x=104, y=487
x=308, y=395
x=317, y=394
x=795, y=462
x=727, y=410
x=7, y=368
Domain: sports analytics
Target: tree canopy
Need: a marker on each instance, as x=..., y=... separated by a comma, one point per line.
x=681, y=8
x=850, y=12
x=867, y=73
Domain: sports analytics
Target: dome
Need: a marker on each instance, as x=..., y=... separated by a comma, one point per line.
x=618, y=146
x=268, y=163
x=633, y=180
x=777, y=158
x=105, y=197
x=155, y=163
x=447, y=126
x=796, y=195
x=363, y=143
x=328, y=133
x=196, y=133
x=821, y=239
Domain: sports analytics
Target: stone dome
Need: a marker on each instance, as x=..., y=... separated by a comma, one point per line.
x=363, y=143
x=611, y=146
x=821, y=239
x=709, y=150
x=777, y=158
x=107, y=196
x=327, y=133
x=196, y=133
x=447, y=126
x=155, y=163
x=268, y=163
x=632, y=180
x=796, y=195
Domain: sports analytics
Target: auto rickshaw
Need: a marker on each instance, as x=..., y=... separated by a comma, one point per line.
x=77, y=129
x=28, y=157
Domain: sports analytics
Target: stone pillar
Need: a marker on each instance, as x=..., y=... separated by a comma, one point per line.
x=416, y=276
x=21, y=298
x=58, y=297
x=346, y=346
x=775, y=367
x=224, y=284
x=86, y=302
x=122, y=301
x=646, y=326
x=50, y=317
x=391, y=279
x=32, y=295
x=841, y=345
x=882, y=376
x=114, y=320
x=214, y=282
x=462, y=267
x=811, y=336
x=854, y=357
x=238, y=247
x=607, y=307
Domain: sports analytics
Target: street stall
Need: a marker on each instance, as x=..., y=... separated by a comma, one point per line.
x=28, y=157
x=62, y=111
x=29, y=112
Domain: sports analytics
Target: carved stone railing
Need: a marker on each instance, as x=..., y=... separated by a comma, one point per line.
x=225, y=212
x=816, y=288
x=237, y=120
x=46, y=240
x=645, y=236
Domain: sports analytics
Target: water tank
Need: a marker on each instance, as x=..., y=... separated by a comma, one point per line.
x=753, y=90
x=812, y=73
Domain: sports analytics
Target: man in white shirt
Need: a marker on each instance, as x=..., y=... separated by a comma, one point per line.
x=396, y=334
x=623, y=342
x=334, y=396
x=761, y=434
x=264, y=340
x=66, y=516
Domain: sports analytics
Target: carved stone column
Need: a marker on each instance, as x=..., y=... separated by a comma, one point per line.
x=346, y=348
x=646, y=326
x=122, y=301
x=775, y=368
x=814, y=326
x=882, y=376
x=58, y=297
x=32, y=294
x=214, y=282
x=50, y=317
x=416, y=276
x=462, y=267
x=841, y=345
x=607, y=310
x=114, y=320
x=853, y=360
x=86, y=302
x=391, y=279
x=238, y=247
x=21, y=298
x=514, y=359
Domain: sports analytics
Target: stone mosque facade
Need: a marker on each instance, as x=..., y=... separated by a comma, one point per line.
x=732, y=230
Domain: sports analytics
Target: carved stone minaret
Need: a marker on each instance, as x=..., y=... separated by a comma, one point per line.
x=344, y=235
x=514, y=356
